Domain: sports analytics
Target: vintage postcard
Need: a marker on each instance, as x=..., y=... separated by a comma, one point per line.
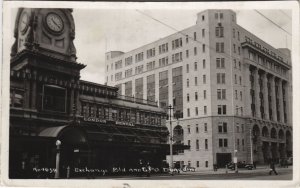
x=128, y=94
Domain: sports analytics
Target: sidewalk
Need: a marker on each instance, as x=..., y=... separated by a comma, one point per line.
x=259, y=168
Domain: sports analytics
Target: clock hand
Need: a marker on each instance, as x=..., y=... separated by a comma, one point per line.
x=55, y=23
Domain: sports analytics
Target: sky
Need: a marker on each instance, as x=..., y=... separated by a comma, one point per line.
x=101, y=30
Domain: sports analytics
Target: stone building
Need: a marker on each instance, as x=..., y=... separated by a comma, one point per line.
x=98, y=129
x=231, y=91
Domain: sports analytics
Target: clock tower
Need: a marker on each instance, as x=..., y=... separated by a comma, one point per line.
x=43, y=59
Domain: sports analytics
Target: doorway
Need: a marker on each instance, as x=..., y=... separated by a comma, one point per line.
x=223, y=159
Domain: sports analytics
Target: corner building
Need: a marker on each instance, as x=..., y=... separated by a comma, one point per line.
x=231, y=90
x=48, y=102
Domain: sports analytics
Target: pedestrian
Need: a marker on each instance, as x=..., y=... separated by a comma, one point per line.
x=254, y=164
x=148, y=169
x=215, y=167
x=272, y=168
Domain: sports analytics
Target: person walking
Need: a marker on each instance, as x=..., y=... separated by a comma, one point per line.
x=272, y=167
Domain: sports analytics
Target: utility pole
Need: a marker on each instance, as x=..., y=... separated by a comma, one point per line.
x=171, y=139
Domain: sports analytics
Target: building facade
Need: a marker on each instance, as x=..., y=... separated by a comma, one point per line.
x=231, y=91
x=98, y=129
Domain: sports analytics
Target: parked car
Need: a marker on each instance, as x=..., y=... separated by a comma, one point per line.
x=231, y=166
x=289, y=161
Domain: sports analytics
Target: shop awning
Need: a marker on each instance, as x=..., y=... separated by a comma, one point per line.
x=52, y=131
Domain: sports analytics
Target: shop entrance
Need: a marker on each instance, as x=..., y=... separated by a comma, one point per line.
x=223, y=159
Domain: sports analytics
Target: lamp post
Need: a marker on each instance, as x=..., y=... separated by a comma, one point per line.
x=171, y=140
x=57, y=143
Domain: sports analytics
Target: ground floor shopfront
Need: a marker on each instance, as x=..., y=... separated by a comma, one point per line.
x=84, y=151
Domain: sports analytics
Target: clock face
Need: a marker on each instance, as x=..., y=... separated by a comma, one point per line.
x=54, y=22
x=24, y=22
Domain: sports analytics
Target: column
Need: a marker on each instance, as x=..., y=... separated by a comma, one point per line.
x=71, y=101
x=273, y=96
x=247, y=96
x=257, y=89
x=265, y=92
x=26, y=93
x=145, y=97
x=287, y=103
x=281, y=111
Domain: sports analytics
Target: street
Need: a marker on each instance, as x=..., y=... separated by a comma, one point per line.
x=261, y=173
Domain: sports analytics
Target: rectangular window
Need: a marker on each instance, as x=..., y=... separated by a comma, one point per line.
x=177, y=57
x=188, y=97
x=163, y=48
x=189, y=143
x=203, y=63
x=139, y=69
x=233, y=33
x=195, y=66
x=220, y=143
x=220, y=62
x=203, y=33
x=196, y=96
x=186, y=39
x=238, y=33
x=205, y=110
x=195, y=36
x=225, y=143
x=196, y=111
x=234, y=48
x=198, y=164
x=118, y=76
x=219, y=31
x=151, y=53
x=188, y=112
x=206, y=164
x=241, y=95
x=139, y=57
x=222, y=127
x=220, y=78
x=221, y=109
x=54, y=98
x=150, y=65
x=196, y=81
x=203, y=48
x=204, y=79
x=195, y=50
x=221, y=94
x=206, y=144
x=220, y=47
x=197, y=128
x=187, y=53
x=197, y=144
x=187, y=83
x=128, y=61
x=205, y=127
x=177, y=43
x=204, y=94
x=187, y=68
x=128, y=73
x=118, y=64
x=189, y=129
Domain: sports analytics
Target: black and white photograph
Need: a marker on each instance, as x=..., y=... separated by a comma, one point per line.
x=103, y=91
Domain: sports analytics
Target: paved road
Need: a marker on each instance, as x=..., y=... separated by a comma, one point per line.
x=258, y=174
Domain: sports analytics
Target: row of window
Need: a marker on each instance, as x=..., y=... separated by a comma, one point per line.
x=198, y=145
x=196, y=128
x=197, y=111
x=197, y=163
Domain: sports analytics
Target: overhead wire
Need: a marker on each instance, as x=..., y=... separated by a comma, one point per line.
x=272, y=22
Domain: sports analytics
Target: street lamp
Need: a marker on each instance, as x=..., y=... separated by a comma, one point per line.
x=57, y=143
x=171, y=140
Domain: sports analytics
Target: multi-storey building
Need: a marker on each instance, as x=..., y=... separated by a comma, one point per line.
x=97, y=129
x=232, y=89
